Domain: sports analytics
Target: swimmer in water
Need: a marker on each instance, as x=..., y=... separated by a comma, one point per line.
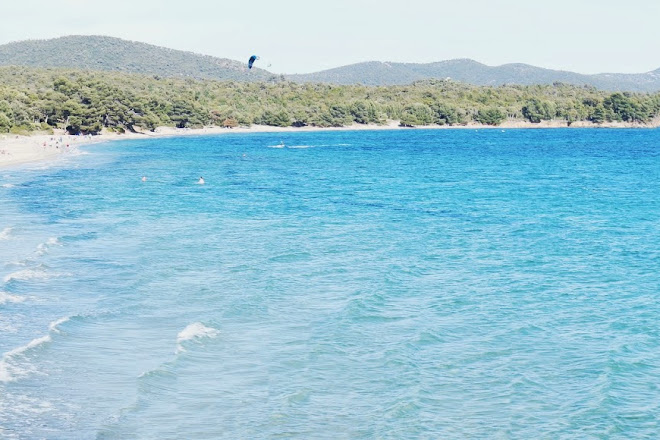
x=144, y=178
x=200, y=181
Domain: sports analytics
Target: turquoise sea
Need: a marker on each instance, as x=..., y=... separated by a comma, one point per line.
x=424, y=284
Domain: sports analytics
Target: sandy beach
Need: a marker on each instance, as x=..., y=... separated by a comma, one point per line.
x=16, y=150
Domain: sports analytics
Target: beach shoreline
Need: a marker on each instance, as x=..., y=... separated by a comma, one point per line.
x=17, y=150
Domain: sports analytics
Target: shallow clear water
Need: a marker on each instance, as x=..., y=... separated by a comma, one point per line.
x=390, y=284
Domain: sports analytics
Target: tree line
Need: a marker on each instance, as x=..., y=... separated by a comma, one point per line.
x=34, y=99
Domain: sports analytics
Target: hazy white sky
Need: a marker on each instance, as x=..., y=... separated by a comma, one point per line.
x=296, y=36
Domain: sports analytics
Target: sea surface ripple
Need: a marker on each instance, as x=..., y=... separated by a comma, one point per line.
x=346, y=285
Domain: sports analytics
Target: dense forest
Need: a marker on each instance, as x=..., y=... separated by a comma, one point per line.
x=34, y=99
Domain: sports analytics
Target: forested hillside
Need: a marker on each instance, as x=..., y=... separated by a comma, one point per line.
x=81, y=101
x=91, y=52
x=472, y=72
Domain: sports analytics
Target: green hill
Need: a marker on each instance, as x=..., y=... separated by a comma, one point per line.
x=471, y=72
x=114, y=54
x=90, y=52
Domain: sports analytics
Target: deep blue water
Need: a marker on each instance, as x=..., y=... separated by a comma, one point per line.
x=354, y=285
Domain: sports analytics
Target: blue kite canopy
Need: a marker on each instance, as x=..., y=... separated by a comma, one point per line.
x=251, y=61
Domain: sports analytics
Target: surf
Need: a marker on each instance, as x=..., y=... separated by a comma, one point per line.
x=14, y=366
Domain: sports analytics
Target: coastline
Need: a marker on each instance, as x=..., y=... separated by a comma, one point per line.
x=16, y=150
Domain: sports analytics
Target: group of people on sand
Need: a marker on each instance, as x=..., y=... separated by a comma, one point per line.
x=199, y=182
x=58, y=142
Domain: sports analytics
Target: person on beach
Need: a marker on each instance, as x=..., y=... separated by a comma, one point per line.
x=200, y=181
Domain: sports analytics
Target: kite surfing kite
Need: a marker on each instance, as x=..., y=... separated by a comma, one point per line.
x=251, y=61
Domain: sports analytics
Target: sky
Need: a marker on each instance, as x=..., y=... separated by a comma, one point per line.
x=301, y=36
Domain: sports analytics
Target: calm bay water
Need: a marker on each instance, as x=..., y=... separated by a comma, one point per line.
x=390, y=284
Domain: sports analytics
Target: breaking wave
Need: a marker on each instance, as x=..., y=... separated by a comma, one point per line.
x=38, y=273
x=8, y=298
x=194, y=331
x=44, y=247
x=6, y=233
x=11, y=367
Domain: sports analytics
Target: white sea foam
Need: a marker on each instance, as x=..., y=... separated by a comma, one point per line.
x=22, y=405
x=52, y=241
x=29, y=346
x=76, y=152
x=40, y=272
x=21, y=263
x=6, y=233
x=8, y=185
x=7, y=298
x=44, y=247
x=53, y=325
x=11, y=368
x=306, y=146
x=195, y=331
x=28, y=274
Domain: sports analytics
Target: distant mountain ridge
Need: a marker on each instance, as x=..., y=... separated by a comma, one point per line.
x=93, y=52
x=377, y=73
x=114, y=54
